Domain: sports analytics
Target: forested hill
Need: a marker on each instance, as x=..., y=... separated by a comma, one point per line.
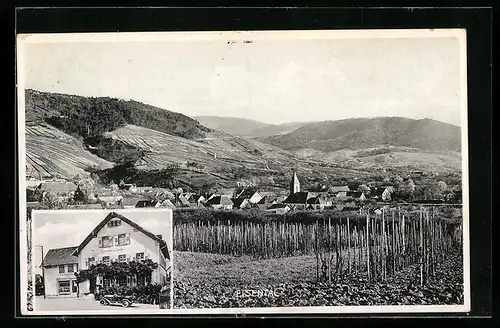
x=89, y=117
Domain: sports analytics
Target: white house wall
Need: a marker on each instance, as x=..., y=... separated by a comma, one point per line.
x=139, y=243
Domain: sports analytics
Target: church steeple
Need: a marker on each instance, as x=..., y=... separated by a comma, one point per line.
x=295, y=184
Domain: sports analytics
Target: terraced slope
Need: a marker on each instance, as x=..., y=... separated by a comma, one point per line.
x=53, y=153
x=216, y=155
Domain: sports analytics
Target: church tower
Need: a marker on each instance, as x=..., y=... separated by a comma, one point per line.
x=295, y=184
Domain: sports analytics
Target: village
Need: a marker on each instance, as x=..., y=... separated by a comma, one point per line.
x=86, y=194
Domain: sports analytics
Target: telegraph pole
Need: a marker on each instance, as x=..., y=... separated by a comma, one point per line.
x=43, y=276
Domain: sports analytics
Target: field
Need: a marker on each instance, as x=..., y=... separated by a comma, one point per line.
x=385, y=255
x=203, y=280
x=51, y=153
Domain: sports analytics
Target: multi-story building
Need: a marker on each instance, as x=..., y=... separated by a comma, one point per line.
x=115, y=239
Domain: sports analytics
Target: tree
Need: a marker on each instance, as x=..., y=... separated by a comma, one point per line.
x=442, y=185
x=80, y=197
x=51, y=201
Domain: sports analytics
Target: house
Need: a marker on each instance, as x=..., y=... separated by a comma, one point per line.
x=110, y=201
x=341, y=194
x=356, y=195
x=114, y=239
x=383, y=193
x=197, y=199
x=131, y=202
x=127, y=187
x=266, y=202
x=148, y=203
x=299, y=199
x=167, y=203
x=279, y=208
x=316, y=203
x=252, y=195
x=220, y=202
x=335, y=189
x=182, y=202
x=230, y=192
x=241, y=203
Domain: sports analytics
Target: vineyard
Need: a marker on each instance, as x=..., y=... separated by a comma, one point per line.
x=379, y=244
x=51, y=153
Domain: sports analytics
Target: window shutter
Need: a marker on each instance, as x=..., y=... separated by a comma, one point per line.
x=115, y=240
x=146, y=256
x=87, y=262
x=127, y=239
x=100, y=242
x=128, y=258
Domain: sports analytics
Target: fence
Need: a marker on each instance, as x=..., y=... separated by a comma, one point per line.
x=378, y=245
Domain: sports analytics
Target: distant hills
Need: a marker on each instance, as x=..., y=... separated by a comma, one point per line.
x=246, y=128
x=114, y=139
x=362, y=133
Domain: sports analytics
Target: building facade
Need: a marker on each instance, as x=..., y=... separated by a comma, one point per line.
x=115, y=239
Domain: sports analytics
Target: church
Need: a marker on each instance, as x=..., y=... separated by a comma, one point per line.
x=300, y=200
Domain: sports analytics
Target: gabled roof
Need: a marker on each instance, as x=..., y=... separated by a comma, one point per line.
x=167, y=203
x=112, y=215
x=60, y=256
x=145, y=203
x=355, y=194
x=220, y=200
x=131, y=201
x=277, y=206
x=334, y=189
x=300, y=197
x=238, y=201
x=247, y=193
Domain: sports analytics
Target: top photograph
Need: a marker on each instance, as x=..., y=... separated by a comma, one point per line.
x=313, y=171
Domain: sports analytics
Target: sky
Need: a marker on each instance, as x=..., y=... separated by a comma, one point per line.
x=57, y=229
x=272, y=81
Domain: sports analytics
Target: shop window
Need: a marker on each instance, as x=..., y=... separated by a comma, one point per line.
x=64, y=287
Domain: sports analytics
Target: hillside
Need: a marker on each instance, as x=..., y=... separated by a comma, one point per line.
x=53, y=153
x=116, y=139
x=88, y=117
x=218, y=158
x=245, y=127
x=361, y=133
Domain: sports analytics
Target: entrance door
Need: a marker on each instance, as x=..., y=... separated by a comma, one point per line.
x=64, y=287
x=74, y=287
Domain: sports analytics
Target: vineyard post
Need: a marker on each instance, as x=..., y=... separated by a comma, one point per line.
x=383, y=245
x=421, y=250
x=393, y=245
x=404, y=250
x=317, y=250
x=368, y=245
x=348, y=248
x=355, y=250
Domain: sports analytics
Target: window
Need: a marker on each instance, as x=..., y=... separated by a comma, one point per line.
x=105, y=259
x=123, y=239
x=61, y=269
x=122, y=258
x=139, y=257
x=114, y=223
x=64, y=287
x=91, y=261
x=70, y=267
x=107, y=241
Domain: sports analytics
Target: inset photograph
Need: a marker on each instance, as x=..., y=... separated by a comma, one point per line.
x=87, y=260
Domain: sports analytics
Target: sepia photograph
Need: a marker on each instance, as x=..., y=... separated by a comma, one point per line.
x=268, y=171
x=101, y=260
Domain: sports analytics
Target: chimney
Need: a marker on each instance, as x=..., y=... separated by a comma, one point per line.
x=159, y=236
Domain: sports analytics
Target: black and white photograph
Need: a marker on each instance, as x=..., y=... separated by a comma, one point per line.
x=305, y=171
x=102, y=260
